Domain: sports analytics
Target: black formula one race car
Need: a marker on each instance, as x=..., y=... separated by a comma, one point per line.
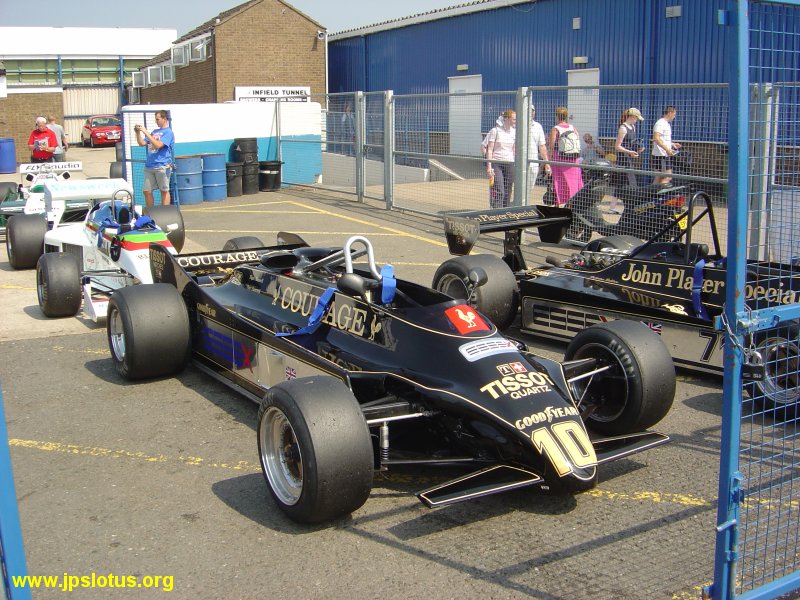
x=675, y=287
x=356, y=370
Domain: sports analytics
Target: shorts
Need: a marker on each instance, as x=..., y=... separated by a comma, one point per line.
x=156, y=179
x=663, y=163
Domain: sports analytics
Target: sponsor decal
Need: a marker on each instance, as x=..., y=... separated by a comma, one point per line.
x=654, y=327
x=291, y=373
x=548, y=415
x=465, y=319
x=207, y=310
x=467, y=228
x=518, y=385
x=217, y=259
x=675, y=308
x=509, y=216
x=479, y=349
x=511, y=368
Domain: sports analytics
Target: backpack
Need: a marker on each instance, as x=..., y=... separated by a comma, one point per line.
x=569, y=144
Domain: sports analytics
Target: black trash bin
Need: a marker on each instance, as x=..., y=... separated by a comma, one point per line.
x=269, y=175
x=250, y=178
x=233, y=175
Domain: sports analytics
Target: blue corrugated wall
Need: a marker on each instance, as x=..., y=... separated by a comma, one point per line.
x=630, y=41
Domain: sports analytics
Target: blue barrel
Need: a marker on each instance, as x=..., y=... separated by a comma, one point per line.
x=189, y=177
x=8, y=156
x=215, y=182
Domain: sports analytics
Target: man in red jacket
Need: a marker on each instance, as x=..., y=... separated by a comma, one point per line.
x=42, y=142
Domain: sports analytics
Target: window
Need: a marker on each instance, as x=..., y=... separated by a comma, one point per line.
x=179, y=56
x=198, y=49
x=138, y=79
x=167, y=73
x=153, y=75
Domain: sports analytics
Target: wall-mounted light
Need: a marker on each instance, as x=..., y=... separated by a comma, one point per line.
x=576, y=22
x=580, y=60
x=321, y=35
x=462, y=67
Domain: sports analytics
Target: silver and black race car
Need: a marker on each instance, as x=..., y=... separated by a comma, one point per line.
x=675, y=287
x=357, y=370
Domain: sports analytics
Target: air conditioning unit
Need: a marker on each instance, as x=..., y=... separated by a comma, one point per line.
x=167, y=73
x=154, y=75
x=139, y=79
x=198, y=49
x=180, y=56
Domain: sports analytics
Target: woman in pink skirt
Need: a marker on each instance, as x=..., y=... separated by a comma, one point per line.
x=567, y=181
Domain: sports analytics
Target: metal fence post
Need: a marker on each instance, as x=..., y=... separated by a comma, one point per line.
x=277, y=130
x=523, y=108
x=360, y=109
x=388, y=148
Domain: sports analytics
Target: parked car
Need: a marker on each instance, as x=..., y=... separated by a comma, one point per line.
x=675, y=287
x=101, y=130
x=355, y=369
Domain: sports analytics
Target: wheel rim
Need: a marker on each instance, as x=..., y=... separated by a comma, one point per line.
x=280, y=456
x=781, y=358
x=605, y=395
x=116, y=334
x=453, y=286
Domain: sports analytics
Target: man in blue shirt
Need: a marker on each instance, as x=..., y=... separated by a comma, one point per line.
x=158, y=165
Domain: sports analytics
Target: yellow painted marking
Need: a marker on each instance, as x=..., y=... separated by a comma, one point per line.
x=193, y=461
x=654, y=497
x=317, y=232
x=16, y=287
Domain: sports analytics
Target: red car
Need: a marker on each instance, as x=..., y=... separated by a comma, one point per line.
x=101, y=130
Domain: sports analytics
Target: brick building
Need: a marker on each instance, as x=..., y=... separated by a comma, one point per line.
x=258, y=43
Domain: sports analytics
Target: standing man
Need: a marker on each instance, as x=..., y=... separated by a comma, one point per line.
x=663, y=147
x=60, y=155
x=537, y=150
x=158, y=164
x=42, y=142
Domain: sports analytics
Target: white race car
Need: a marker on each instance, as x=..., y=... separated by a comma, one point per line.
x=87, y=261
x=28, y=198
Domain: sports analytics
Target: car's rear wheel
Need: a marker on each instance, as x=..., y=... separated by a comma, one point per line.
x=25, y=240
x=58, y=284
x=315, y=449
x=148, y=331
x=498, y=298
x=637, y=389
x=165, y=217
x=244, y=242
x=779, y=391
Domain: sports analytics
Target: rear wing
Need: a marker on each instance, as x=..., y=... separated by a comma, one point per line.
x=462, y=229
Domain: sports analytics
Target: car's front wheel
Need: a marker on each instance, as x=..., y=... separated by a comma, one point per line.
x=148, y=331
x=25, y=240
x=498, y=298
x=58, y=284
x=315, y=449
x=637, y=387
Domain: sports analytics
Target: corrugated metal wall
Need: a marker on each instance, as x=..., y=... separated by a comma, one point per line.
x=80, y=102
x=630, y=41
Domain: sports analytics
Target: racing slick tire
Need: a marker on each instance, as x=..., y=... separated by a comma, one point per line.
x=148, y=331
x=315, y=449
x=244, y=242
x=164, y=216
x=25, y=240
x=637, y=390
x=58, y=284
x=779, y=392
x=497, y=299
x=116, y=170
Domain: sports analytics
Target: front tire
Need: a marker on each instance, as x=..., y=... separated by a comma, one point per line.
x=243, y=242
x=638, y=388
x=148, y=331
x=315, y=449
x=164, y=216
x=497, y=299
x=58, y=284
x=25, y=240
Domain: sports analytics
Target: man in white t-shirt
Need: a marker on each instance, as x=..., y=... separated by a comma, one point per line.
x=537, y=149
x=663, y=146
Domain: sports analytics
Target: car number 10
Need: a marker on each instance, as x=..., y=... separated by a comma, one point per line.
x=565, y=444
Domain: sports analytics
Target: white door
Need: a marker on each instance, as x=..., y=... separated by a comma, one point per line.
x=464, y=114
x=584, y=104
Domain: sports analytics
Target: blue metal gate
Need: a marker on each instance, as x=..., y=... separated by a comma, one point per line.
x=758, y=546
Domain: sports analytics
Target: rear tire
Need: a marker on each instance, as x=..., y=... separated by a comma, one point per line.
x=165, y=216
x=779, y=393
x=116, y=170
x=244, y=242
x=148, y=331
x=497, y=299
x=58, y=284
x=25, y=240
x=315, y=449
x=637, y=390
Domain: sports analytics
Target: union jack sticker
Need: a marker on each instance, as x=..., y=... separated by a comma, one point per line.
x=291, y=373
